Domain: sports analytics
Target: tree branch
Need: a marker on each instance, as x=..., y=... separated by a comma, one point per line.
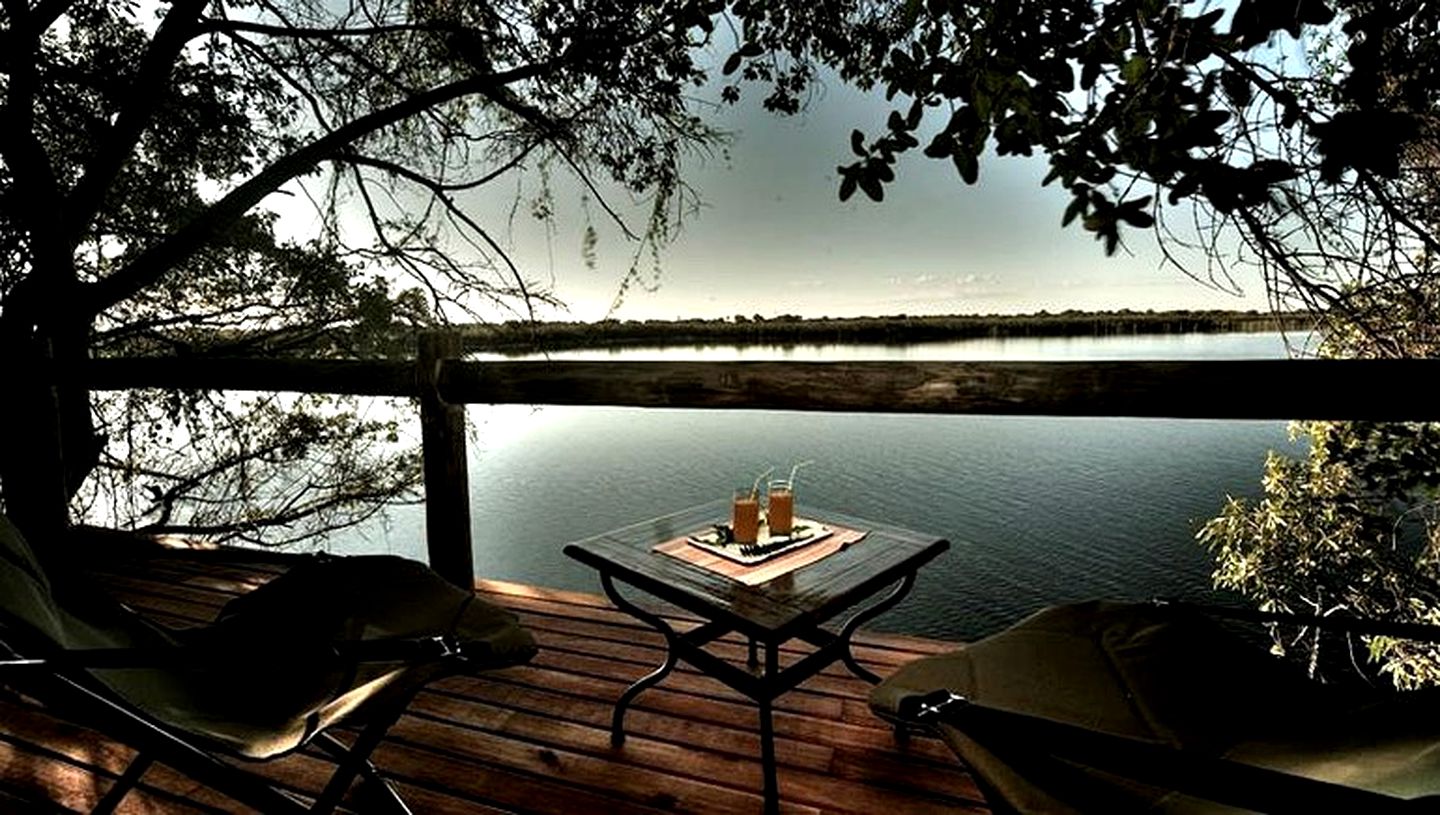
x=1278, y=95
x=147, y=91
x=440, y=193
x=1387, y=202
x=226, y=26
x=259, y=53
x=390, y=250
x=154, y=262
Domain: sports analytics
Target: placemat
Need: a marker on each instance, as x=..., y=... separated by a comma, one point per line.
x=840, y=538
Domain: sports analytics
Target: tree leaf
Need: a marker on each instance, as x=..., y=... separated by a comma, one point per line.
x=1184, y=188
x=912, y=119
x=872, y=187
x=940, y=146
x=1134, y=69
x=967, y=165
x=1237, y=88
x=1140, y=220
x=1271, y=171
x=857, y=143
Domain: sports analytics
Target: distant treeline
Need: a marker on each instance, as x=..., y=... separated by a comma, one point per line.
x=521, y=337
x=527, y=337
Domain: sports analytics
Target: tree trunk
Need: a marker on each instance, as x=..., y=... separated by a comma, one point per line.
x=50, y=443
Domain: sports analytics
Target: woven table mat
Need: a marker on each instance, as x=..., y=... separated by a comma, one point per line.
x=839, y=538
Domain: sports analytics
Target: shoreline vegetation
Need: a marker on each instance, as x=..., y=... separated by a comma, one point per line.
x=524, y=337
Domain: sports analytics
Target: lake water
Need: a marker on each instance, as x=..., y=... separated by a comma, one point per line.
x=1039, y=510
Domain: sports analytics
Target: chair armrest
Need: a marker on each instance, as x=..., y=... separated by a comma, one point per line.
x=406, y=649
x=160, y=657
x=438, y=648
x=1212, y=778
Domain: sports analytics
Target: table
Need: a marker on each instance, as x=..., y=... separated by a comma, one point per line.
x=769, y=614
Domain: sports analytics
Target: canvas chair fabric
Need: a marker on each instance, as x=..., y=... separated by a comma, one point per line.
x=1168, y=677
x=270, y=678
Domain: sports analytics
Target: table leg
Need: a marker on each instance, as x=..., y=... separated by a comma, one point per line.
x=865, y=615
x=617, y=720
x=767, y=735
x=767, y=759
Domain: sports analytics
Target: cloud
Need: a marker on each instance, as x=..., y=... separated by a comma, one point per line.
x=807, y=283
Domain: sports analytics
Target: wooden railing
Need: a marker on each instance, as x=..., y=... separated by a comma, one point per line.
x=1377, y=390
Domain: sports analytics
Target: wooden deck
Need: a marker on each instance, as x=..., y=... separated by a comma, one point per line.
x=532, y=739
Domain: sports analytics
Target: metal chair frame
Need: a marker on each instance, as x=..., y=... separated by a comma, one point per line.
x=1067, y=747
x=60, y=682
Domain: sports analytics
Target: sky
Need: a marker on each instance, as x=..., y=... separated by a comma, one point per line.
x=773, y=238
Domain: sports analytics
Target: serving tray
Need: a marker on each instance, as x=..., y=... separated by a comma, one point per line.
x=717, y=540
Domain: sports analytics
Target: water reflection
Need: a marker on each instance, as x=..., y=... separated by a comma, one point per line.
x=1039, y=509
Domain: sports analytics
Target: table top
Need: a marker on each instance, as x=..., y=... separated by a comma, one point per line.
x=772, y=611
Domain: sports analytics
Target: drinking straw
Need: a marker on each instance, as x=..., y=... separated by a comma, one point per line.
x=796, y=469
x=755, y=487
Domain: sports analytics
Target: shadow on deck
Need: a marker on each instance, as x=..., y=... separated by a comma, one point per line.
x=533, y=739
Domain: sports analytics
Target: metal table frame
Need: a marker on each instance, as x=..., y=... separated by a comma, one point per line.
x=762, y=679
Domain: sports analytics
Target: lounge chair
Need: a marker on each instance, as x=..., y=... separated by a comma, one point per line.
x=1114, y=708
x=332, y=641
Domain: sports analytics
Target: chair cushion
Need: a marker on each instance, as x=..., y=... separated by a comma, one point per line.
x=273, y=679
x=276, y=681
x=38, y=615
x=1134, y=670
x=1391, y=746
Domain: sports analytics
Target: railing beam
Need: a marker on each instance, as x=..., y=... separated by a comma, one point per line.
x=1378, y=390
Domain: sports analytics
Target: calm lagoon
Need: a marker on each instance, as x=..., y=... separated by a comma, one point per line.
x=1039, y=510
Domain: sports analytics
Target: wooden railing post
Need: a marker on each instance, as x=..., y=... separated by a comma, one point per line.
x=447, y=479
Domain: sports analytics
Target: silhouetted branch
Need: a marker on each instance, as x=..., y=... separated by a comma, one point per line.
x=147, y=91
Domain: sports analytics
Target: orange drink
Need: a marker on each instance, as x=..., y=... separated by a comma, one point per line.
x=781, y=512
x=745, y=516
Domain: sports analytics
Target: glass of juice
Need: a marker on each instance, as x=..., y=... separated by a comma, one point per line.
x=745, y=515
x=781, y=510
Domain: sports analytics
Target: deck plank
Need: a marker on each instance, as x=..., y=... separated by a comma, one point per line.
x=535, y=738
